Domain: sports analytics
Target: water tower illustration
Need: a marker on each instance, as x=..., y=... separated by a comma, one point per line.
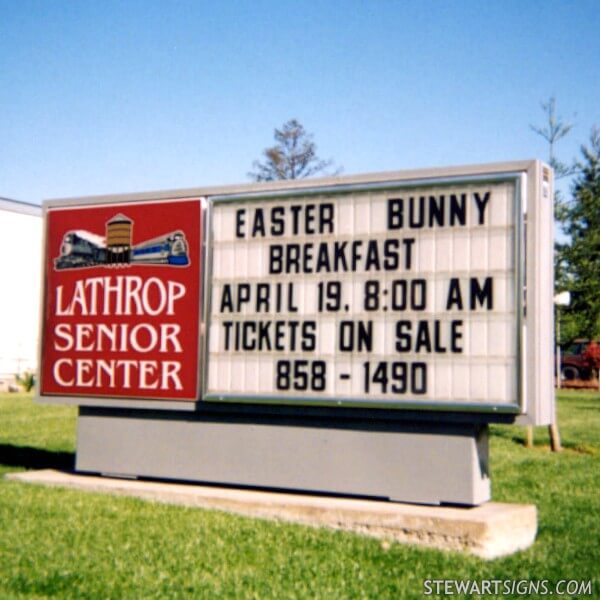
x=118, y=240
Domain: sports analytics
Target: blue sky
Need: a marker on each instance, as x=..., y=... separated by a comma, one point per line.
x=110, y=97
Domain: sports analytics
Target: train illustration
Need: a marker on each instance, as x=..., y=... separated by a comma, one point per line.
x=169, y=249
x=82, y=248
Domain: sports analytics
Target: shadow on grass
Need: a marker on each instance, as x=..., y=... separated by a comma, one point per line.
x=518, y=437
x=588, y=408
x=35, y=458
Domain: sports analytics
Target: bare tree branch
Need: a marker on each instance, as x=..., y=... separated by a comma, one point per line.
x=293, y=157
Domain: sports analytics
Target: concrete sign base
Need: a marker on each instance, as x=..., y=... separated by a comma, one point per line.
x=488, y=531
x=425, y=463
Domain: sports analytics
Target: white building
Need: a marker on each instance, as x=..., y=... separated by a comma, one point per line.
x=20, y=279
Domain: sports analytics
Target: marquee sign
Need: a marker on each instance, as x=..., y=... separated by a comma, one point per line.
x=122, y=300
x=351, y=305
x=429, y=290
x=389, y=295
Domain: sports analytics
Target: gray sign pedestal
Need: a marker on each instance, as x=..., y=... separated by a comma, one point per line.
x=409, y=461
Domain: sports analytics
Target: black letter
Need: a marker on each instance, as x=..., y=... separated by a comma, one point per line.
x=454, y=295
x=481, y=204
x=243, y=295
x=416, y=222
x=326, y=218
x=436, y=211
x=456, y=336
x=408, y=244
x=457, y=209
x=263, y=291
x=483, y=294
x=259, y=223
x=226, y=299
x=277, y=220
x=227, y=325
x=395, y=216
x=403, y=339
x=240, y=213
x=275, y=256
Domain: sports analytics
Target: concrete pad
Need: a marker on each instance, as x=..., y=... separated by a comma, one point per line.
x=488, y=531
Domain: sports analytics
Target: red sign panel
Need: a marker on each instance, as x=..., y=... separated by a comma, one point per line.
x=122, y=301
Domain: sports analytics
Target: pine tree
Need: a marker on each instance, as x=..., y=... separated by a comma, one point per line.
x=554, y=129
x=581, y=255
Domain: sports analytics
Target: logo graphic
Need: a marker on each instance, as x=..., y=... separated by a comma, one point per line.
x=81, y=248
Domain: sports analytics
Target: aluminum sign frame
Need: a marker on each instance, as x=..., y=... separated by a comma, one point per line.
x=516, y=178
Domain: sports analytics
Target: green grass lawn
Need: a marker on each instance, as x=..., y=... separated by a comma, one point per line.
x=68, y=544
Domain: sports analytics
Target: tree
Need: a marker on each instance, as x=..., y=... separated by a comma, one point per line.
x=582, y=252
x=554, y=130
x=293, y=157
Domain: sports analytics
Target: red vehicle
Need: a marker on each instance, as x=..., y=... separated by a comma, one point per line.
x=574, y=364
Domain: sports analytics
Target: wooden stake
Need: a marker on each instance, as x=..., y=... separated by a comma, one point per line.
x=529, y=437
x=554, y=438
